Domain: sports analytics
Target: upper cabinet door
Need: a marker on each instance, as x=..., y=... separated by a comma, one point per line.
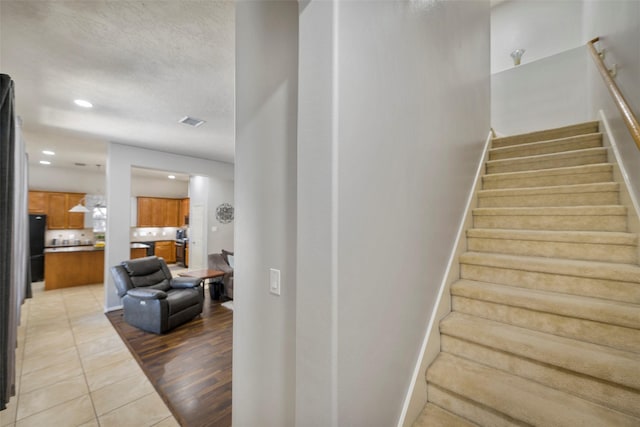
x=37, y=202
x=56, y=211
x=144, y=212
x=172, y=213
x=75, y=220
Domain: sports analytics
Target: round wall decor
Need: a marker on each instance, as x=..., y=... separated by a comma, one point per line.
x=224, y=213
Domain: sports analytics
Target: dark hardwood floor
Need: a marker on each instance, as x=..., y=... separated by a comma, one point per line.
x=190, y=366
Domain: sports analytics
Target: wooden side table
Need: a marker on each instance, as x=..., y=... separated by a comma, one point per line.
x=207, y=274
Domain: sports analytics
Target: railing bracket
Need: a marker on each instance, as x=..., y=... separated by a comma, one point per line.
x=613, y=71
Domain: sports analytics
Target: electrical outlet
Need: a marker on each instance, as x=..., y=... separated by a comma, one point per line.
x=274, y=281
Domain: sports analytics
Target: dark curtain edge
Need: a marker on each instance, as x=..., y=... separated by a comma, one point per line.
x=7, y=168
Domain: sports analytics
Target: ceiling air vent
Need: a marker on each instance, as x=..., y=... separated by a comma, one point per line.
x=191, y=121
x=80, y=164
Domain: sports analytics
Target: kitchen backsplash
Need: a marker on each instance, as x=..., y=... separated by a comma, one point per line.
x=71, y=237
x=150, y=234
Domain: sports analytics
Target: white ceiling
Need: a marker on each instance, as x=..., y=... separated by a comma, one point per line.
x=143, y=64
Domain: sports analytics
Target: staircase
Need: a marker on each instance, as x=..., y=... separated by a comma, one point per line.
x=545, y=321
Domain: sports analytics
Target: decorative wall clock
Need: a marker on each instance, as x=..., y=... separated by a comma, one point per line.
x=224, y=213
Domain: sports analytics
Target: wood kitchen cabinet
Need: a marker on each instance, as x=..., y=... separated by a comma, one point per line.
x=184, y=213
x=37, y=202
x=58, y=215
x=172, y=213
x=75, y=220
x=166, y=249
x=159, y=212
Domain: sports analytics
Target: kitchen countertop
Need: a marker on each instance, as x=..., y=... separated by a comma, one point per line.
x=62, y=249
x=139, y=246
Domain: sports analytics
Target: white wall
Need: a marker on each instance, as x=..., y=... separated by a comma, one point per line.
x=542, y=27
x=546, y=93
x=410, y=134
x=120, y=160
x=155, y=187
x=616, y=23
x=388, y=141
x=264, y=325
x=220, y=236
x=50, y=178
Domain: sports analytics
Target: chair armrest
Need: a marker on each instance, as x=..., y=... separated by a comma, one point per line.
x=185, y=282
x=141, y=293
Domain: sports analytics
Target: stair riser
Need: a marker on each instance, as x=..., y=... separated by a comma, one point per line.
x=566, y=250
x=435, y=416
x=546, y=135
x=595, y=332
x=553, y=222
x=519, y=398
x=465, y=408
x=618, y=398
x=582, y=358
x=526, y=164
x=562, y=199
x=573, y=285
x=545, y=181
x=537, y=149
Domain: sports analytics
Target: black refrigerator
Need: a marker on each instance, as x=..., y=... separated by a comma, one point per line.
x=37, y=226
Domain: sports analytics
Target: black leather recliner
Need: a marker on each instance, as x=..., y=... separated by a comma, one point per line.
x=152, y=299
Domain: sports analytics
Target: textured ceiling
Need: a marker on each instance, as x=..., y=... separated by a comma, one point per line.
x=143, y=64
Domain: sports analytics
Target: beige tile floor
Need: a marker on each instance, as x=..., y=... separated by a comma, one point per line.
x=74, y=370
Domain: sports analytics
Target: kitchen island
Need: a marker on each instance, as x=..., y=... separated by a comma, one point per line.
x=77, y=265
x=73, y=266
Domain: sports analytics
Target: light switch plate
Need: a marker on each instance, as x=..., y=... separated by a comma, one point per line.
x=274, y=281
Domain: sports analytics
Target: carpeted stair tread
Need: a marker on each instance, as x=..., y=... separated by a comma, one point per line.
x=603, y=237
x=435, y=416
x=620, y=337
x=581, y=307
x=570, y=143
x=519, y=398
x=618, y=247
x=622, y=399
x=604, y=210
x=576, y=218
x=547, y=134
x=585, y=174
x=548, y=161
x=605, y=363
x=555, y=189
x=566, y=267
x=605, y=193
x=466, y=408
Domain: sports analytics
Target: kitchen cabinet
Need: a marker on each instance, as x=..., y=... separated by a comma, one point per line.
x=56, y=206
x=137, y=253
x=184, y=213
x=58, y=215
x=75, y=220
x=70, y=267
x=167, y=250
x=144, y=212
x=37, y=202
x=159, y=212
x=172, y=213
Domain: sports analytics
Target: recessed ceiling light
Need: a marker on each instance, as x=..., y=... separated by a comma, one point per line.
x=83, y=103
x=45, y=162
x=48, y=152
x=171, y=177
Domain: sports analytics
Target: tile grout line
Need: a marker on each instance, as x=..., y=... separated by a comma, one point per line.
x=84, y=374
